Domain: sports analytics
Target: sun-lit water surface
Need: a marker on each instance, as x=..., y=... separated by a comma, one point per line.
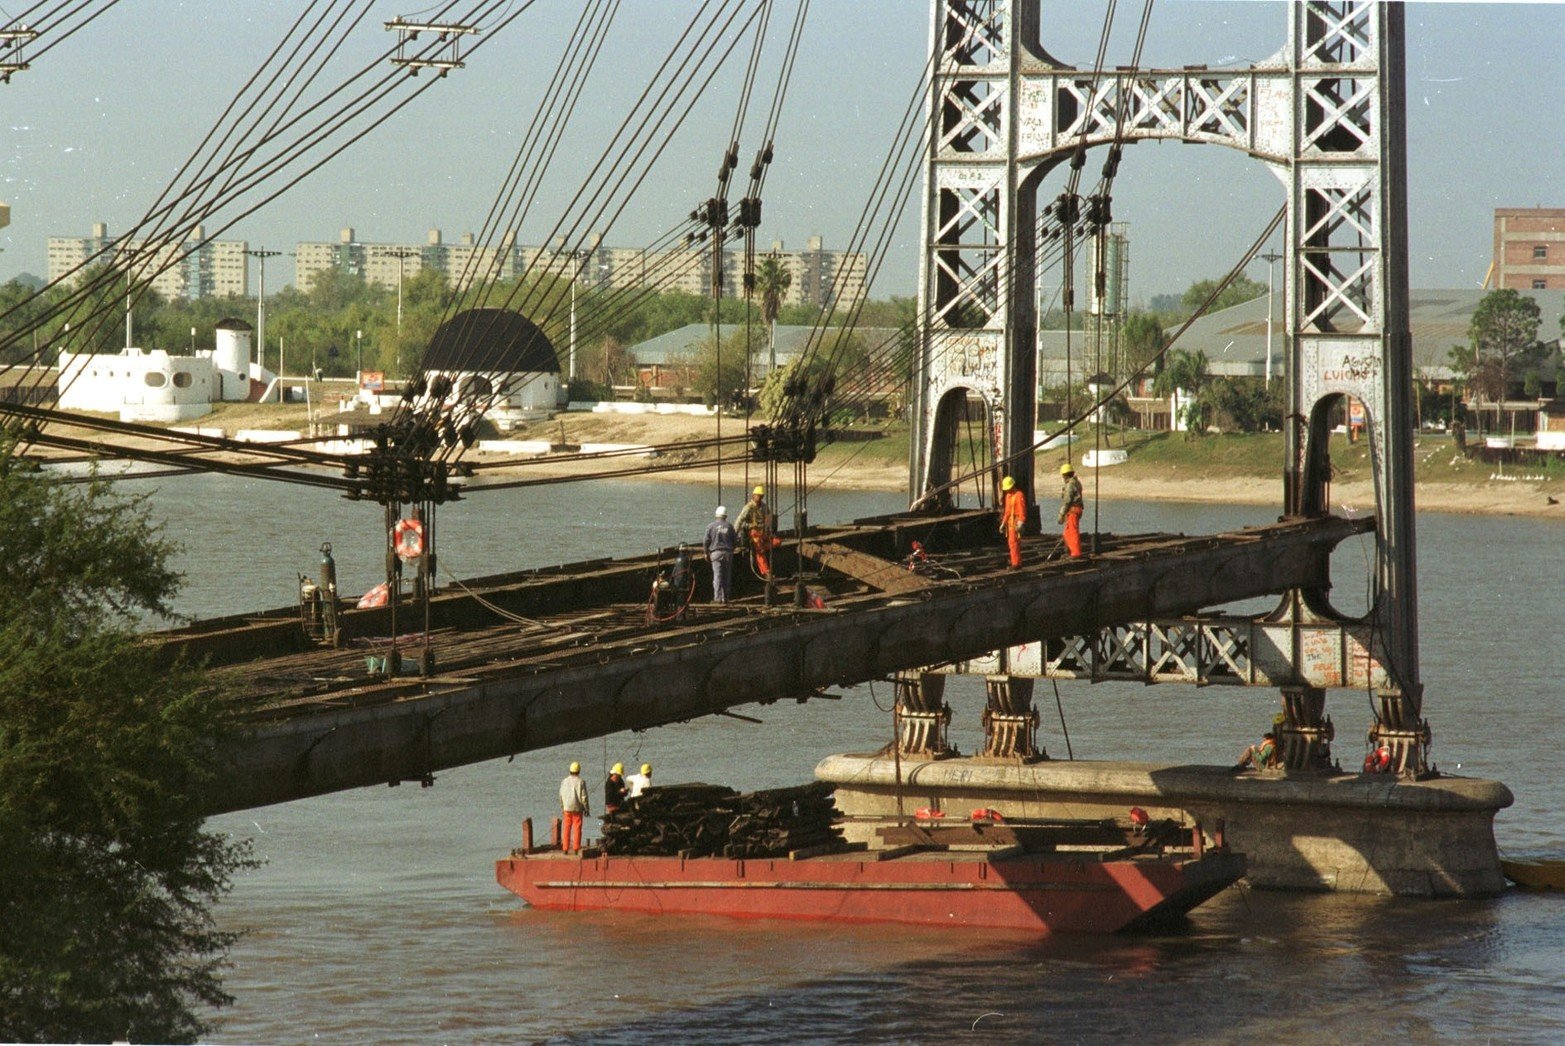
x=376, y=916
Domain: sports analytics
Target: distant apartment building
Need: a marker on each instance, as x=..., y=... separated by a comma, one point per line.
x=1529, y=248
x=191, y=269
x=820, y=277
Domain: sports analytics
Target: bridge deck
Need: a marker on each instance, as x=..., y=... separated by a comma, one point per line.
x=540, y=658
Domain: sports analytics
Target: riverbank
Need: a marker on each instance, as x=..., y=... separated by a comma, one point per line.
x=1209, y=469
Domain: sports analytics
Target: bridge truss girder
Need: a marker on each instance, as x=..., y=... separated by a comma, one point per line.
x=1325, y=114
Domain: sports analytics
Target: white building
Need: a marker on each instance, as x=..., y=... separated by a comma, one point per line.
x=151, y=385
x=491, y=363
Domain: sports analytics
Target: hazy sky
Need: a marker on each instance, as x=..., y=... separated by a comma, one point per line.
x=98, y=126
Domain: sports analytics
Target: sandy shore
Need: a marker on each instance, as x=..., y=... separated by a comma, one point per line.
x=849, y=467
x=838, y=467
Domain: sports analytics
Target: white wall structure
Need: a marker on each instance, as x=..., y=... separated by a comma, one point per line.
x=151, y=385
x=231, y=357
x=138, y=385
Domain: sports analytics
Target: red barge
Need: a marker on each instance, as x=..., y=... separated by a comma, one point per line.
x=1080, y=877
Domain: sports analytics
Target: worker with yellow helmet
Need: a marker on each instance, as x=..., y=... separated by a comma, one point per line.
x=1013, y=516
x=614, y=789
x=635, y=784
x=756, y=526
x=1071, y=508
x=573, y=807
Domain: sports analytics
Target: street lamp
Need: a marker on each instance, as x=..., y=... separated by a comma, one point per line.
x=1269, y=258
x=260, y=308
x=192, y=341
x=401, y=254
x=360, y=336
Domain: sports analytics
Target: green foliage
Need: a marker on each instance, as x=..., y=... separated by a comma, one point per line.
x=772, y=280
x=1241, y=290
x=724, y=386
x=1143, y=338
x=1243, y=404
x=106, y=876
x=1502, y=344
x=1182, y=369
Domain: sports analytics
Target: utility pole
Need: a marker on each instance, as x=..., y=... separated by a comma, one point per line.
x=130, y=257
x=401, y=254
x=359, y=335
x=262, y=254
x=1269, y=257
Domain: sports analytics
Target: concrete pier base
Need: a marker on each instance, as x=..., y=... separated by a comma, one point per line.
x=1301, y=830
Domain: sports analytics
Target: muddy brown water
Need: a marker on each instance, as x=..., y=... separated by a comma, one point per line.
x=376, y=916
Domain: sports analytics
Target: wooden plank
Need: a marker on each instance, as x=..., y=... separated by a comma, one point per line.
x=872, y=570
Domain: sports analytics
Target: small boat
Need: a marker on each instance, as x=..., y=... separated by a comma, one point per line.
x=1044, y=877
x=1536, y=874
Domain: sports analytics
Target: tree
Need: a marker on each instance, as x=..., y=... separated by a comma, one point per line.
x=720, y=387
x=106, y=876
x=1185, y=370
x=1143, y=339
x=1242, y=289
x=772, y=280
x=1502, y=345
x=1243, y=404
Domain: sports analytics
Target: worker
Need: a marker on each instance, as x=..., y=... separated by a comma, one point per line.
x=614, y=789
x=635, y=784
x=755, y=526
x=720, y=541
x=1262, y=756
x=1070, y=509
x=573, y=807
x=682, y=580
x=1013, y=515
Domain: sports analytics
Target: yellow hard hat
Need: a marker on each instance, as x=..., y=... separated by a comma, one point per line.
x=759, y=490
x=575, y=768
x=1007, y=483
x=619, y=768
x=1066, y=470
x=646, y=768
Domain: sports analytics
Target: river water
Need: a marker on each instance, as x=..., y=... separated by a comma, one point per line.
x=376, y=916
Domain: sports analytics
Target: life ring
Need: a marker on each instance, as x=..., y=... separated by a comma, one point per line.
x=407, y=537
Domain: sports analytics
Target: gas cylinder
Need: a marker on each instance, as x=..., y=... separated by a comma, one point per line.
x=328, y=570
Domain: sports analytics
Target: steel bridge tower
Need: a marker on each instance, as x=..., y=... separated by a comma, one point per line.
x=1327, y=115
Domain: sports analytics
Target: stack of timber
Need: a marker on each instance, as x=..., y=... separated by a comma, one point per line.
x=699, y=820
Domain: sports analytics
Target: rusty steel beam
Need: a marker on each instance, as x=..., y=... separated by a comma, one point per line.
x=636, y=683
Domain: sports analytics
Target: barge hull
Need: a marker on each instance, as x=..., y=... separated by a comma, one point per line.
x=1029, y=893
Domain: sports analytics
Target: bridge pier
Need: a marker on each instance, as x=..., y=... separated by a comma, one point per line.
x=1299, y=830
x=1307, y=732
x=1010, y=721
x=923, y=715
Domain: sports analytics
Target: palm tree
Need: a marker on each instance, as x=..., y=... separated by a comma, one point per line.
x=1184, y=370
x=772, y=279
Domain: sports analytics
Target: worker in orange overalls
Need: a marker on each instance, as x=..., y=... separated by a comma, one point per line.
x=1013, y=514
x=573, y=807
x=1070, y=509
x=755, y=524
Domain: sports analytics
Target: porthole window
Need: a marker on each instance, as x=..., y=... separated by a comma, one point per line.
x=155, y=379
x=182, y=379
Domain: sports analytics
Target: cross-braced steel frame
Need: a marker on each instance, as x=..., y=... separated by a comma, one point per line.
x=1326, y=115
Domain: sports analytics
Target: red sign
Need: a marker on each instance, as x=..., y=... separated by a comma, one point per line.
x=372, y=380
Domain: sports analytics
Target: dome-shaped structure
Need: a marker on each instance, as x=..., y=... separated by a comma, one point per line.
x=494, y=361
x=491, y=341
